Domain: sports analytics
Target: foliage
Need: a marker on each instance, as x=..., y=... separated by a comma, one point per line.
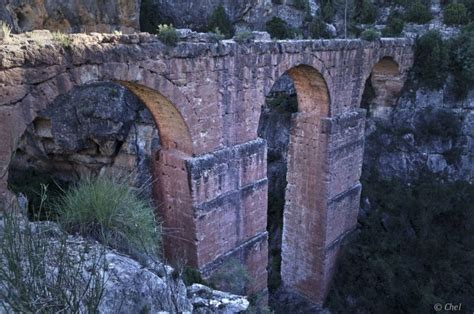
x=455, y=14
x=168, y=34
x=110, y=211
x=301, y=4
x=31, y=184
x=151, y=17
x=278, y=28
x=232, y=277
x=469, y=4
x=370, y=34
x=216, y=35
x=365, y=12
x=220, y=19
x=414, y=248
x=28, y=284
x=277, y=1
x=441, y=123
x=244, y=36
x=63, y=39
x=191, y=276
x=462, y=61
x=328, y=11
x=394, y=25
x=5, y=31
x=318, y=29
x=431, y=60
x=418, y=12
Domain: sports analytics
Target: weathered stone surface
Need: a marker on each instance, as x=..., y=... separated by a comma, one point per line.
x=71, y=16
x=206, y=300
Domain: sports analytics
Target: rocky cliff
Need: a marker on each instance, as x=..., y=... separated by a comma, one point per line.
x=71, y=16
x=427, y=131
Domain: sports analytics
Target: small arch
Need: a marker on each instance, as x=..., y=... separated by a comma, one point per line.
x=311, y=90
x=382, y=87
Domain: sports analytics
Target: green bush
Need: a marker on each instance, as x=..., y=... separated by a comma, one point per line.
x=365, y=12
x=370, y=35
x=301, y=4
x=413, y=249
x=110, y=211
x=440, y=123
x=394, y=25
x=278, y=28
x=219, y=19
x=418, y=12
x=328, y=11
x=168, y=34
x=431, y=60
x=216, y=35
x=244, y=36
x=151, y=17
x=318, y=29
x=232, y=277
x=469, y=4
x=462, y=61
x=66, y=283
x=455, y=14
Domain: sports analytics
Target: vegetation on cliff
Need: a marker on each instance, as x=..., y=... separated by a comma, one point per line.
x=413, y=248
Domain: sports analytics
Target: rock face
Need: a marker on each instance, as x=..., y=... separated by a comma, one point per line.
x=426, y=131
x=127, y=286
x=252, y=14
x=72, y=16
x=94, y=128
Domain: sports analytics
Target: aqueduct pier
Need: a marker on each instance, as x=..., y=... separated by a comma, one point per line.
x=211, y=170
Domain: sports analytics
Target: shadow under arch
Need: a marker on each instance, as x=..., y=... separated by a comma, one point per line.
x=382, y=88
x=303, y=266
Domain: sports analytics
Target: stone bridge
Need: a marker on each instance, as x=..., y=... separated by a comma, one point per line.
x=211, y=170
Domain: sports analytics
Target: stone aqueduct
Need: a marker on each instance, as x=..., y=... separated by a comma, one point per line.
x=206, y=100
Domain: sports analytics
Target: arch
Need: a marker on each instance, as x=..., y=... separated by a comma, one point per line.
x=311, y=90
x=303, y=264
x=383, y=87
x=174, y=132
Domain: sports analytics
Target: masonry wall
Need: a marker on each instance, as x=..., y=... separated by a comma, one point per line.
x=214, y=187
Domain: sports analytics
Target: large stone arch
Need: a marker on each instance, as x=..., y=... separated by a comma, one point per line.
x=304, y=264
x=174, y=121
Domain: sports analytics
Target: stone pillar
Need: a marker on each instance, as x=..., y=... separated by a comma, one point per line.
x=215, y=209
x=322, y=199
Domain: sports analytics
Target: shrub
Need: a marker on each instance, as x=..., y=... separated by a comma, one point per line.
x=318, y=29
x=370, y=35
x=328, y=11
x=277, y=1
x=28, y=284
x=278, y=28
x=422, y=253
x=216, y=35
x=168, y=34
x=394, y=25
x=469, y=4
x=108, y=210
x=455, y=14
x=301, y=4
x=244, y=36
x=5, y=31
x=63, y=39
x=365, y=12
x=151, y=17
x=431, y=60
x=220, y=19
x=418, y=13
x=232, y=277
x=462, y=61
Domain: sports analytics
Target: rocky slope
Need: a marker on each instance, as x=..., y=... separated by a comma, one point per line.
x=119, y=283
